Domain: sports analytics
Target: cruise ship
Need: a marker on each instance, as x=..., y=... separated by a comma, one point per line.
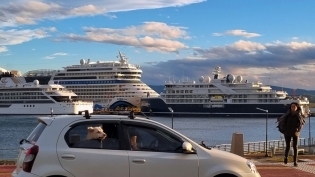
x=227, y=96
x=18, y=97
x=112, y=85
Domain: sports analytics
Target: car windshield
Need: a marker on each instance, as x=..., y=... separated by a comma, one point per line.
x=33, y=137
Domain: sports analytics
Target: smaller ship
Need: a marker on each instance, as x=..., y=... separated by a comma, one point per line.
x=227, y=96
x=18, y=97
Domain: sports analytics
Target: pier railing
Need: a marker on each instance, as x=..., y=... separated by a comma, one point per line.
x=252, y=147
x=8, y=154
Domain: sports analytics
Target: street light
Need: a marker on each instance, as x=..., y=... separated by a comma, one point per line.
x=265, y=110
x=309, y=132
x=169, y=108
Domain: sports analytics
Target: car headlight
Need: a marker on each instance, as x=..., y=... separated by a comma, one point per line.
x=251, y=166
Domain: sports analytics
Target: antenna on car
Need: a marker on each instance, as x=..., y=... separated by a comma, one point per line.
x=86, y=114
x=132, y=115
x=144, y=115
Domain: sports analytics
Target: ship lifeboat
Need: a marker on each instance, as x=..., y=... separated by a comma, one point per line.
x=216, y=99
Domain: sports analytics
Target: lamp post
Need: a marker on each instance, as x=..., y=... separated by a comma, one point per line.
x=265, y=110
x=169, y=108
x=309, y=132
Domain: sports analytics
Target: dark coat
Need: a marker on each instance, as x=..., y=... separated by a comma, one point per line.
x=293, y=123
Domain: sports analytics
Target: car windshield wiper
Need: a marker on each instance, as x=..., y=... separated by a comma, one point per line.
x=24, y=141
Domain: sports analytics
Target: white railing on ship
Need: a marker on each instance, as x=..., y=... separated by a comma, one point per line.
x=252, y=147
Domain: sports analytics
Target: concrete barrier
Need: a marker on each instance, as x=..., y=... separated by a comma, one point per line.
x=237, y=145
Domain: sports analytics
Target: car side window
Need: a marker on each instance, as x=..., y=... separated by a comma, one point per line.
x=151, y=139
x=93, y=136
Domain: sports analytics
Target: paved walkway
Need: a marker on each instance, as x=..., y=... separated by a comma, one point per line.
x=281, y=170
x=6, y=170
x=274, y=166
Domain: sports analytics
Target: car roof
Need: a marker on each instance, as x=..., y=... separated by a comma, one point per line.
x=71, y=118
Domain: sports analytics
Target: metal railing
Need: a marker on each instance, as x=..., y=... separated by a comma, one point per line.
x=8, y=154
x=251, y=147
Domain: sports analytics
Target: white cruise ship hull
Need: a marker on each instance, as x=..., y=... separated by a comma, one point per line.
x=46, y=109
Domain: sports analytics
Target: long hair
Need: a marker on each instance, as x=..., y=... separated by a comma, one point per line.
x=297, y=105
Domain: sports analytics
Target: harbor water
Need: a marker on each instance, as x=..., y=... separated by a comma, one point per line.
x=214, y=131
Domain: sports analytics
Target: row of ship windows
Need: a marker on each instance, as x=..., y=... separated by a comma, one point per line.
x=109, y=93
x=207, y=101
x=21, y=90
x=85, y=82
x=104, y=90
x=23, y=97
x=204, y=86
x=101, y=86
x=97, y=97
x=204, y=96
x=29, y=105
x=212, y=91
x=233, y=96
x=120, y=77
x=105, y=95
x=98, y=73
x=57, y=81
x=30, y=93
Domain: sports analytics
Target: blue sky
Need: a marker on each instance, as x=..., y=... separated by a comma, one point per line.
x=269, y=41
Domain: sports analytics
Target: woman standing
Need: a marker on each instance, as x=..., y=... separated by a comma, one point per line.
x=293, y=123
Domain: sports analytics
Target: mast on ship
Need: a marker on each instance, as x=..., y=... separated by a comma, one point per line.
x=123, y=59
x=216, y=72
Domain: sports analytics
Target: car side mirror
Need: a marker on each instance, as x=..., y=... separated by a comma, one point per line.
x=187, y=148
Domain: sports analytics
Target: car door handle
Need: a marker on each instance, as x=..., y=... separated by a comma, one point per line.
x=68, y=156
x=138, y=161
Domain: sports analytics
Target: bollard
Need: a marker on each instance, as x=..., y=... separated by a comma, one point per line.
x=237, y=145
x=273, y=151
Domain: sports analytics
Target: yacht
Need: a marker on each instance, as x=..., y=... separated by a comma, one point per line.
x=227, y=96
x=112, y=85
x=18, y=97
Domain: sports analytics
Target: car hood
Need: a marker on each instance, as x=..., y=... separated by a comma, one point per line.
x=226, y=155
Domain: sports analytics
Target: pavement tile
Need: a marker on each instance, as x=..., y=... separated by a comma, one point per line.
x=6, y=168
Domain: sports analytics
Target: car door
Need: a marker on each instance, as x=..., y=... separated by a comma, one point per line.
x=159, y=153
x=85, y=158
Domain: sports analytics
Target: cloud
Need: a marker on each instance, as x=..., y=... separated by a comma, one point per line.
x=56, y=54
x=295, y=38
x=52, y=29
x=294, y=68
x=284, y=63
x=13, y=36
x=16, y=12
x=151, y=36
x=237, y=32
x=49, y=57
x=60, y=54
x=3, y=49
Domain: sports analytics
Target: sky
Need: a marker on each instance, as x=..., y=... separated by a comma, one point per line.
x=260, y=40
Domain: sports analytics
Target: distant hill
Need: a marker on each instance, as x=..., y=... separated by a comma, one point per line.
x=290, y=91
x=157, y=88
x=309, y=93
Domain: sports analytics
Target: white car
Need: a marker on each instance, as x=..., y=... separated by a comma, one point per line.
x=58, y=147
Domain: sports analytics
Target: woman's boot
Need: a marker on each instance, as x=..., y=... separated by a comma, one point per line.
x=285, y=160
x=295, y=159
